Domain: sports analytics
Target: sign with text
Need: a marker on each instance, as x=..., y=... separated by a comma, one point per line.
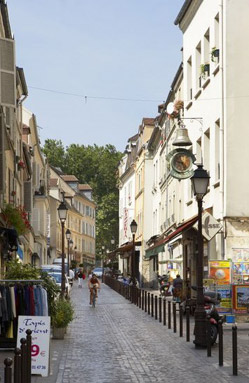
x=40, y=327
x=210, y=227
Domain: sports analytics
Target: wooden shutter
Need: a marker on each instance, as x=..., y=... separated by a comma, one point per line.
x=28, y=196
x=36, y=220
x=7, y=73
x=2, y=156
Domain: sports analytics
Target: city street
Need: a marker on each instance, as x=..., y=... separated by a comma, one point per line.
x=118, y=342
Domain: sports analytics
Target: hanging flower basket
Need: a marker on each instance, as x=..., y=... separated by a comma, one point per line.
x=21, y=164
x=17, y=217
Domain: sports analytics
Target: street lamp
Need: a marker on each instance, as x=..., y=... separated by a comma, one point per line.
x=112, y=248
x=70, y=246
x=62, y=212
x=103, y=248
x=200, y=181
x=133, y=227
x=68, y=237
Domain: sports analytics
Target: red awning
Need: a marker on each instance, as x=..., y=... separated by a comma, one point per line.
x=186, y=225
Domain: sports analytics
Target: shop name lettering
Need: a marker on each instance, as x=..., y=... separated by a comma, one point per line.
x=36, y=326
x=207, y=225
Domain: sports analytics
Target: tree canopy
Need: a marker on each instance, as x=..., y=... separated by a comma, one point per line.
x=96, y=166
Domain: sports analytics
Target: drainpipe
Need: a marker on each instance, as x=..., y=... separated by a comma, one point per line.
x=222, y=123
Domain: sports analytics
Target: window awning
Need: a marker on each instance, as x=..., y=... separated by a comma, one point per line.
x=159, y=245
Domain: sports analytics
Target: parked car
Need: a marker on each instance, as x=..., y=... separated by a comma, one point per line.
x=51, y=268
x=98, y=271
x=57, y=277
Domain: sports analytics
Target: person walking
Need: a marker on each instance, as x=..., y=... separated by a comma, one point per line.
x=80, y=278
x=177, y=288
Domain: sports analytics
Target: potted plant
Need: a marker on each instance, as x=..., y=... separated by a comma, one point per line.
x=16, y=217
x=204, y=70
x=215, y=53
x=61, y=317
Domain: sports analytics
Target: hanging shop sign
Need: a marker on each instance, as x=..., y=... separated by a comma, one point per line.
x=210, y=227
x=220, y=271
x=40, y=327
x=181, y=163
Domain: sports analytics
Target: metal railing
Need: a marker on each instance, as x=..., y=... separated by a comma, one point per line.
x=20, y=370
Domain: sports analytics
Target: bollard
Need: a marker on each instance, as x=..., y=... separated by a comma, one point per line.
x=180, y=321
x=155, y=307
x=235, y=351
x=152, y=305
x=17, y=366
x=169, y=314
x=208, y=336
x=174, y=316
x=8, y=370
x=145, y=301
x=164, y=312
x=29, y=341
x=142, y=299
x=148, y=303
x=187, y=323
x=160, y=309
x=220, y=331
x=24, y=360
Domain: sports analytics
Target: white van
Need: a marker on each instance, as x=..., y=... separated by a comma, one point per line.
x=58, y=261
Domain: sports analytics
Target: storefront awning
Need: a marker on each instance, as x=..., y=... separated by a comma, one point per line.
x=159, y=245
x=151, y=252
x=127, y=247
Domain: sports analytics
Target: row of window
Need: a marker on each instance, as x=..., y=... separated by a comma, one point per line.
x=85, y=210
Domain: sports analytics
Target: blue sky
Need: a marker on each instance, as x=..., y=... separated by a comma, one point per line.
x=102, y=49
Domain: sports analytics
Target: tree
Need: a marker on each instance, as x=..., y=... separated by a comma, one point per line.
x=55, y=152
x=96, y=166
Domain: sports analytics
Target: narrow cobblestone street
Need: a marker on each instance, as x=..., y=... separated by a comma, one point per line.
x=117, y=342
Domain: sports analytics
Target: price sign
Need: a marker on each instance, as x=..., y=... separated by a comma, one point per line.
x=40, y=327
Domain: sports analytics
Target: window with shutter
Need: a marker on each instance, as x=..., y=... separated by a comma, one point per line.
x=7, y=73
x=36, y=220
x=2, y=157
x=28, y=196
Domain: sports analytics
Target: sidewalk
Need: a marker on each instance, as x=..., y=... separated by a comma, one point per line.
x=118, y=343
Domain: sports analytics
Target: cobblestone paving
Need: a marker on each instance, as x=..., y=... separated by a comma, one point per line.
x=117, y=342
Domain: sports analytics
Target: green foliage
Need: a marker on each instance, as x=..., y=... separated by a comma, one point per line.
x=96, y=166
x=17, y=270
x=73, y=264
x=63, y=313
x=54, y=150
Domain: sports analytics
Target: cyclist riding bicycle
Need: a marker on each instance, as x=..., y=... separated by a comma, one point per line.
x=93, y=283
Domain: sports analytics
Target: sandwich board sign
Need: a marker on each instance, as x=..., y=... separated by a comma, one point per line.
x=40, y=327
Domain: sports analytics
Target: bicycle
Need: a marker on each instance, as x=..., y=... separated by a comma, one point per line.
x=94, y=296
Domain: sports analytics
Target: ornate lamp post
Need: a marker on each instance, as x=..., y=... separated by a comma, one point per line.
x=102, y=249
x=200, y=181
x=133, y=227
x=62, y=212
x=68, y=237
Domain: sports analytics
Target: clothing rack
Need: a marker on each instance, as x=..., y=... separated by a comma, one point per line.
x=22, y=280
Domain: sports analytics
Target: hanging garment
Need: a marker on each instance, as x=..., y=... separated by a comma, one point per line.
x=31, y=300
x=44, y=302
x=13, y=301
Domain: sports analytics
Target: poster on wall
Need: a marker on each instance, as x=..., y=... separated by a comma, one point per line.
x=40, y=327
x=240, y=255
x=225, y=305
x=220, y=272
x=241, y=298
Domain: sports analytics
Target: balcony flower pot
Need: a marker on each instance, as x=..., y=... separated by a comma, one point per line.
x=20, y=164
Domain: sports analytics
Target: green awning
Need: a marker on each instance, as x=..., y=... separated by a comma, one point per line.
x=152, y=252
